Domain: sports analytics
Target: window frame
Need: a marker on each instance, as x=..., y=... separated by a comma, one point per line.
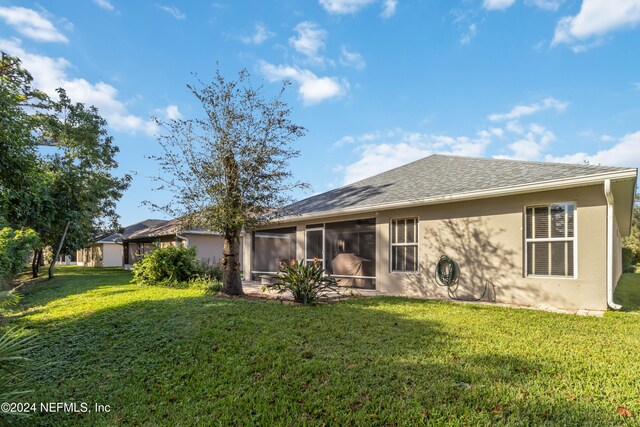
x=573, y=239
x=416, y=220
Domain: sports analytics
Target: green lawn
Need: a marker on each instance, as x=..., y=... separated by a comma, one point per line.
x=171, y=357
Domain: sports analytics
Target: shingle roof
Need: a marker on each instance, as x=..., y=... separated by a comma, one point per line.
x=440, y=175
x=131, y=229
x=167, y=228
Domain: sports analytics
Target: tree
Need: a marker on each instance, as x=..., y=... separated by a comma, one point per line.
x=229, y=169
x=69, y=194
x=80, y=182
x=632, y=242
x=22, y=109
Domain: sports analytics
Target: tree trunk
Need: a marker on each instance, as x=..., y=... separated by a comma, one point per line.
x=41, y=258
x=35, y=265
x=231, y=283
x=57, y=254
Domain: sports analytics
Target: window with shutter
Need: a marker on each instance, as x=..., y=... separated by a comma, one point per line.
x=550, y=240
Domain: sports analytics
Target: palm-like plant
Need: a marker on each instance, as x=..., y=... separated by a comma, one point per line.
x=14, y=345
x=306, y=281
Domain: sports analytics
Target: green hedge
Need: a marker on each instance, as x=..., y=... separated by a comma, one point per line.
x=15, y=247
x=169, y=266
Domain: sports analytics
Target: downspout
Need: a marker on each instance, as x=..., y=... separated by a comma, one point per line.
x=183, y=238
x=610, y=216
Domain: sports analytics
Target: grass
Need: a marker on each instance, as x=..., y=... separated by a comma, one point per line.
x=172, y=357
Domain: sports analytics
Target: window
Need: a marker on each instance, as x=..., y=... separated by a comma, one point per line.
x=550, y=240
x=271, y=248
x=404, y=244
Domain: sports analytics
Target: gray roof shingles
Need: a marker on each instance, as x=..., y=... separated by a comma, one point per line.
x=440, y=175
x=131, y=229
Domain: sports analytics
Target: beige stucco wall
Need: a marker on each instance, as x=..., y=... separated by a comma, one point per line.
x=111, y=255
x=209, y=248
x=485, y=237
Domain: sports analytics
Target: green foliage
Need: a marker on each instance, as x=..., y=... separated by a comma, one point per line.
x=15, y=246
x=628, y=260
x=306, y=281
x=70, y=186
x=632, y=242
x=14, y=345
x=209, y=285
x=8, y=298
x=212, y=271
x=170, y=266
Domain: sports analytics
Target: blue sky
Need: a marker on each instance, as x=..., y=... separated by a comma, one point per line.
x=377, y=83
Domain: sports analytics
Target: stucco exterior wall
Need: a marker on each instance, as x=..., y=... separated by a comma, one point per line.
x=485, y=237
x=209, y=248
x=111, y=255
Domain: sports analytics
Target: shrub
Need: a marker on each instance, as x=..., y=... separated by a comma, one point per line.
x=212, y=271
x=306, y=281
x=15, y=246
x=628, y=258
x=169, y=266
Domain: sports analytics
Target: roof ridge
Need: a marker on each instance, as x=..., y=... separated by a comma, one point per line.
x=541, y=162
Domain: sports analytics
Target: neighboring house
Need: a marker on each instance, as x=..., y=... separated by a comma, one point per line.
x=106, y=251
x=536, y=234
x=209, y=244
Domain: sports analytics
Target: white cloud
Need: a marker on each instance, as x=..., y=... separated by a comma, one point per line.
x=525, y=110
x=595, y=19
x=583, y=47
x=342, y=7
x=31, y=24
x=51, y=73
x=546, y=4
x=345, y=7
x=531, y=145
x=309, y=41
x=260, y=35
x=312, y=89
x=351, y=59
x=368, y=137
x=173, y=11
x=398, y=147
x=469, y=35
x=625, y=153
x=172, y=112
x=389, y=8
x=497, y=4
x=104, y=4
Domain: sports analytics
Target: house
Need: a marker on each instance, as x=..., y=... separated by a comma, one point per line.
x=209, y=244
x=106, y=250
x=521, y=233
